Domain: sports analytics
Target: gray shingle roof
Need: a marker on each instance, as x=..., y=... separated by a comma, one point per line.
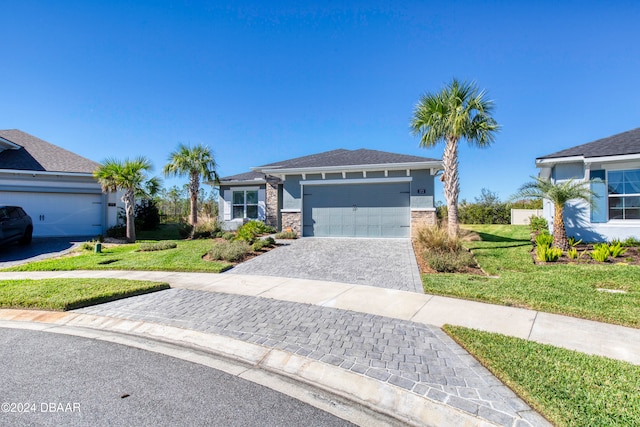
x=241, y=177
x=342, y=157
x=42, y=156
x=616, y=145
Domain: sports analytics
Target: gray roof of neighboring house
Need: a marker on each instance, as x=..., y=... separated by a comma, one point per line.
x=243, y=177
x=616, y=145
x=42, y=156
x=342, y=157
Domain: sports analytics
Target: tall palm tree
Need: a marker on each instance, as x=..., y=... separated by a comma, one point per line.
x=128, y=176
x=197, y=163
x=559, y=193
x=459, y=110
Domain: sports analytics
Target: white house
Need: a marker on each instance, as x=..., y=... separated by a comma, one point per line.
x=615, y=160
x=54, y=186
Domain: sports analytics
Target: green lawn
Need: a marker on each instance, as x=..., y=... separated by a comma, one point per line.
x=69, y=294
x=563, y=289
x=187, y=256
x=567, y=387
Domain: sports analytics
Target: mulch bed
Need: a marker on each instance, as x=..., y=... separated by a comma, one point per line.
x=425, y=269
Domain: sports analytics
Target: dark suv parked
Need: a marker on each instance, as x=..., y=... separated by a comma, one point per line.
x=15, y=224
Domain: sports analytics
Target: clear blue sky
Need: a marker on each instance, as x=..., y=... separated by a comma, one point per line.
x=265, y=81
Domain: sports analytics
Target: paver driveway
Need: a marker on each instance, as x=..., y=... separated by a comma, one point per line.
x=385, y=263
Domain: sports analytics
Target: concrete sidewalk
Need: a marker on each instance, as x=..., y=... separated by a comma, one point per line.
x=373, y=346
x=617, y=342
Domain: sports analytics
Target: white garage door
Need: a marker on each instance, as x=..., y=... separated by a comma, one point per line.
x=59, y=214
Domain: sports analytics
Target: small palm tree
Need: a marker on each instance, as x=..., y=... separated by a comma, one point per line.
x=197, y=163
x=559, y=193
x=128, y=176
x=460, y=110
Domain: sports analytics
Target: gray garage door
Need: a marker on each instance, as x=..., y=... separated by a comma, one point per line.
x=356, y=210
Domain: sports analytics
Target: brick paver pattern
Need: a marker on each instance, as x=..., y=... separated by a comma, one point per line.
x=416, y=357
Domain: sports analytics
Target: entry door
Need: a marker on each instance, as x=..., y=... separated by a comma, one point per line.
x=356, y=210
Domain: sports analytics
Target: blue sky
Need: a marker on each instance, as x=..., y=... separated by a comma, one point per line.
x=265, y=81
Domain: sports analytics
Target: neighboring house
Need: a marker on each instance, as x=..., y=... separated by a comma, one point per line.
x=616, y=162
x=54, y=186
x=339, y=193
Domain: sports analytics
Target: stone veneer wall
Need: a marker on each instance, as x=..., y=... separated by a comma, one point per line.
x=419, y=218
x=291, y=220
x=272, y=203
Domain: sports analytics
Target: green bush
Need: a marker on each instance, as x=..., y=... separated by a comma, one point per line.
x=449, y=262
x=147, y=216
x=600, y=252
x=117, y=231
x=229, y=251
x=252, y=229
x=270, y=240
x=547, y=254
x=88, y=246
x=573, y=242
x=572, y=253
x=631, y=242
x=538, y=224
x=205, y=229
x=157, y=246
x=286, y=235
x=228, y=235
x=616, y=250
x=184, y=229
x=544, y=240
x=259, y=244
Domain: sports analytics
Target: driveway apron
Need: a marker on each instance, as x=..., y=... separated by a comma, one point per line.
x=384, y=263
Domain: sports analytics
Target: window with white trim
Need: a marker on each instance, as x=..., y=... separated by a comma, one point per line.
x=623, y=188
x=245, y=204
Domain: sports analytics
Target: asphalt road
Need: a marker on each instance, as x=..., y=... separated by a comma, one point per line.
x=53, y=379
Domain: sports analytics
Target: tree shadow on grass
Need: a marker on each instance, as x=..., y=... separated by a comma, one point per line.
x=509, y=242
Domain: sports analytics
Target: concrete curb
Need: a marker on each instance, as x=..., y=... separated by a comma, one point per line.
x=384, y=403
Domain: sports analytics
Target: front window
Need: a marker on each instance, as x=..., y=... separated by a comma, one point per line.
x=624, y=194
x=245, y=204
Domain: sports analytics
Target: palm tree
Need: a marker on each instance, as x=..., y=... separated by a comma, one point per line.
x=128, y=176
x=559, y=193
x=197, y=163
x=459, y=110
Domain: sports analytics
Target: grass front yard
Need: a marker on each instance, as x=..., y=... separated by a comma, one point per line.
x=187, y=256
x=569, y=388
x=579, y=290
x=69, y=294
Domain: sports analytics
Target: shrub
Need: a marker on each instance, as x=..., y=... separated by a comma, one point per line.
x=572, y=253
x=205, y=229
x=117, y=231
x=631, y=242
x=538, y=224
x=88, y=246
x=287, y=235
x=449, y=262
x=544, y=240
x=184, y=229
x=228, y=235
x=157, y=246
x=229, y=251
x=573, y=242
x=600, y=252
x=270, y=240
x=147, y=215
x=252, y=229
x=437, y=239
x=548, y=254
x=617, y=250
x=260, y=243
